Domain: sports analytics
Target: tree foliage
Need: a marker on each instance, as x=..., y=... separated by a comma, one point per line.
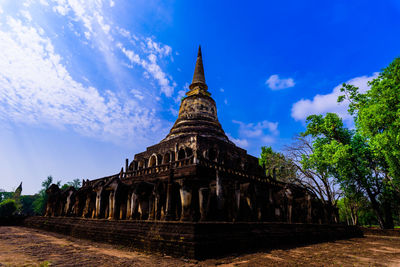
x=76, y=183
x=5, y=195
x=356, y=210
x=377, y=117
x=348, y=157
x=312, y=176
x=277, y=165
x=7, y=207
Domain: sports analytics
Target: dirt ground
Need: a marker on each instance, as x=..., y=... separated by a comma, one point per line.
x=21, y=246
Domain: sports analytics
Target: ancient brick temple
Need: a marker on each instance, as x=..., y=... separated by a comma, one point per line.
x=194, y=194
x=194, y=174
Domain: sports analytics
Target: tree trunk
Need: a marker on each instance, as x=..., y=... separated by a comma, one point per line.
x=376, y=208
x=387, y=208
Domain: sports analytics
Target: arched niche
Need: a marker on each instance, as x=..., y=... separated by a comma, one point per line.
x=167, y=158
x=181, y=154
x=153, y=160
x=212, y=154
x=140, y=164
x=159, y=159
x=189, y=152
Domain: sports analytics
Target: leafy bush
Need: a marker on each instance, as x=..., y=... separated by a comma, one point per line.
x=27, y=207
x=7, y=208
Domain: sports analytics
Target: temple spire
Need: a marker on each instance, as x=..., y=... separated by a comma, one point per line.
x=199, y=81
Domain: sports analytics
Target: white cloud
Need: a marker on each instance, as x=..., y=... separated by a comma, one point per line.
x=26, y=15
x=322, y=104
x=182, y=93
x=252, y=130
x=151, y=67
x=137, y=94
x=100, y=30
x=37, y=89
x=43, y=2
x=239, y=142
x=174, y=111
x=276, y=83
x=154, y=47
x=254, y=135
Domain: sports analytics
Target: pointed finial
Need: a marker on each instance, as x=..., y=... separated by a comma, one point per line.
x=198, y=76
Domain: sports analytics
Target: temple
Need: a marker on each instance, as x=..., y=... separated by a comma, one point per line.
x=194, y=174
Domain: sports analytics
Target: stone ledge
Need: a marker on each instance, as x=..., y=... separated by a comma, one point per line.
x=190, y=239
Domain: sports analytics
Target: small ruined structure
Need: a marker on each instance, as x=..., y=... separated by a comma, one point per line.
x=194, y=175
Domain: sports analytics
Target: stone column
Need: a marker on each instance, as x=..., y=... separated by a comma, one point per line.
x=237, y=202
x=289, y=197
x=122, y=209
x=204, y=196
x=152, y=207
x=309, y=209
x=186, y=200
x=85, y=212
x=75, y=207
x=67, y=204
x=144, y=208
x=98, y=203
x=170, y=211
x=129, y=207
x=47, y=209
x=111, y=205
x=219, y=192
x=157, y=207
x=134, y=205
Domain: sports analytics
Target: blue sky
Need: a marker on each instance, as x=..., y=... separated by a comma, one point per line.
x=85, y=84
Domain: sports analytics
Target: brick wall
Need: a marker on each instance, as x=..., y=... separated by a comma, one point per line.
x=193, y=240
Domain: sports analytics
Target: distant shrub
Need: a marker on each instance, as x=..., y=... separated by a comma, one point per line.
x=7, y=207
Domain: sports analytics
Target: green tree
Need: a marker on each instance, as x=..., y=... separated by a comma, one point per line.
x=277, y=165
x=349, y=158
x=7, y=208
x=5, y=195
x=76, y=183
x=27, y=207
x=312, y=176
x=377, y=116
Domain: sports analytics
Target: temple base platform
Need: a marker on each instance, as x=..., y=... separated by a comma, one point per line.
x=197, y=240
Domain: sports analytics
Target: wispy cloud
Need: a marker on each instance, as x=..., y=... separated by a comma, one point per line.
x=182, y=93
x=37, y=88
x=321, y=104
x=254, y=135
x=276, y=83
x=151, y=66
x=239, y=142
x=104, y=34
x=252, y=130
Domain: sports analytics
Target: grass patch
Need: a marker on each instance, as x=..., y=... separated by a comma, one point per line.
x=45, y=264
